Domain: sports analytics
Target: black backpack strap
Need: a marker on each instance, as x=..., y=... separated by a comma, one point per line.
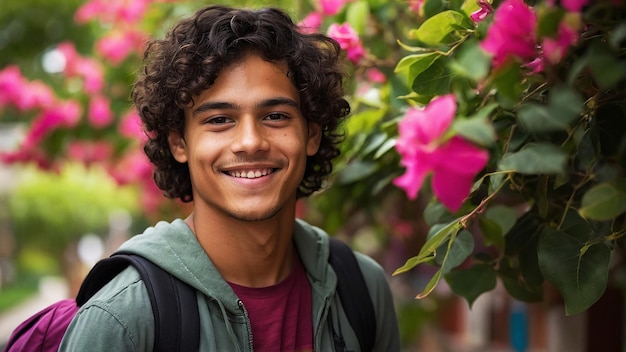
x=174, y=305
x=353, y=293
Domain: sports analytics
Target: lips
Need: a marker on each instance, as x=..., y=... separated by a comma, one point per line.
x=250, y=173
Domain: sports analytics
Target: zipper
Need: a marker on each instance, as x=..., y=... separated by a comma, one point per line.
x=320, y=326
x=248, y=326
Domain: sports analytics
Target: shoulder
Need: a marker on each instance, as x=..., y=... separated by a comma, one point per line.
x=118, y=317
x=374, y=275
x=387, y=331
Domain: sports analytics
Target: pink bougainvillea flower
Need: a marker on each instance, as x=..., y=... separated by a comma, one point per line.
x=61, y=114
x=89, y=70
x=39, y=95
x=485, y=10
x=332, y=7
x=130, y=11
x=311, y=23
x=348, y=39
x=534, y=66
x=89, y=152
x=92, y=74
x=135, y=167
x=71, y=55
x=512, y=34
x=11, y=84
x=374, y=75
x=417, y=6
x=118, y=45
x=453, y=163
x=17, y=91
x=458, y=162
x=112, y=11
x=27, y=155
x=554, y=49
x=130, y=126
x=89, y=10
x=100, y=114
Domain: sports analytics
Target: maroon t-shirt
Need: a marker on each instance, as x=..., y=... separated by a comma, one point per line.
x=280, y=315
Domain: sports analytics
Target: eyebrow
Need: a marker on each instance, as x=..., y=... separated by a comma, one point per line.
x=223, y=105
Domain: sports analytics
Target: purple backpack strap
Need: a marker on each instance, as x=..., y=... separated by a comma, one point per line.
x=44, y=330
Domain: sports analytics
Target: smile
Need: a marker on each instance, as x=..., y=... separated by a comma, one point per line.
x=250, y=173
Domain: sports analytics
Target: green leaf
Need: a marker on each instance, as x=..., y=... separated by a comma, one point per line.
x=564, y=106
x=529, y=263
x=432, y=283
x=442, y=28
x=412, y=263
x=605, y=200
x=578, y=271
x=417, y=63
x=434, y=213
x=516, y=287
x=606, y=68
x=357, y=14
x=504, y=216
x=471, y=6
x=356, y=171
x=523, y=233
x=588, y=149
x=618, y=35
x=577, y=226
x=373, y=142
x=478, y=130
x=534, y=159
x=428, y=249
x=435, y=80
x=472, y=282
x=492, y=232
x=549, y=22
x=507, y=84
x=496, y=222
x=449, y=256
x=364, y=121
x=387, y=146
x=472, y=62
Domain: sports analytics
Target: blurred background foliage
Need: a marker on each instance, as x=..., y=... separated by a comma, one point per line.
x=49, y=210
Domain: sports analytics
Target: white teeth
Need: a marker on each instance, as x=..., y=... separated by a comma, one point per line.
x=250, y=174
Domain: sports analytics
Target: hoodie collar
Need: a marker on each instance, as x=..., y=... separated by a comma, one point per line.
x=175, y=248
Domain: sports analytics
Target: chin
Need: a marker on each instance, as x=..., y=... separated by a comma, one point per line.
x=248, y=216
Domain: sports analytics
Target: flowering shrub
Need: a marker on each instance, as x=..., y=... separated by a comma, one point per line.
x=518, y=114
x=87, y=116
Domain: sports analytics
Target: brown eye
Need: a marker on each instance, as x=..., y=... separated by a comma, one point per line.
x=276, y=116
x=218, y=120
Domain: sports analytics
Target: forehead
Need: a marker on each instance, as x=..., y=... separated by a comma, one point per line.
x=249, y=79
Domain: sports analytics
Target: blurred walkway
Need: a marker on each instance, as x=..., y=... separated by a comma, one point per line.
x=51, y=289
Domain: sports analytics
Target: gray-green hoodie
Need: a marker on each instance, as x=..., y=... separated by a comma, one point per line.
x=119, y=317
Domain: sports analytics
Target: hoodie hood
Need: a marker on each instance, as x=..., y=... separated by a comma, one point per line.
x=174, y=247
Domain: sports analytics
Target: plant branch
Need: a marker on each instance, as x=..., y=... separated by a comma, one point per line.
x=463, y=221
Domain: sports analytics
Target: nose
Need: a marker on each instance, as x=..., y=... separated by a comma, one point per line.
x=250, y=136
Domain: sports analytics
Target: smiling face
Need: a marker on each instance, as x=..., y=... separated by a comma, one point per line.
x=246, y=142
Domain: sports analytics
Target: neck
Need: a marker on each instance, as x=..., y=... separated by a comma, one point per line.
x=251, y=254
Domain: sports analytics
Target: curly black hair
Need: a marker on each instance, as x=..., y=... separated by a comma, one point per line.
x=191, y=56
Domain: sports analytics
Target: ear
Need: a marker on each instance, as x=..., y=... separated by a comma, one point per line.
x=314, y=138
x=178, y=147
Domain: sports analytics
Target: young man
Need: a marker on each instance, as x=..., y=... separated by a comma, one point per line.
x=241, y=110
